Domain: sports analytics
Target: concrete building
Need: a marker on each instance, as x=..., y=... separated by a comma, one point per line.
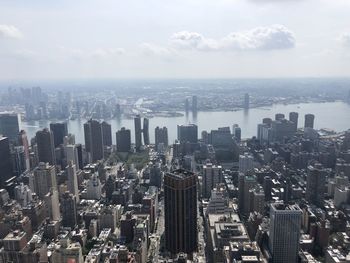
x=46, y=146
x=212, y=175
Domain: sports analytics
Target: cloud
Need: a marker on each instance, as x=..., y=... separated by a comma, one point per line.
x=151, y=49
x=8, y=31
x=260, y=38
x=344, y=39
x=99, y=53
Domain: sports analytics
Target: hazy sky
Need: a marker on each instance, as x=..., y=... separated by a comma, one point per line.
x=174, y=38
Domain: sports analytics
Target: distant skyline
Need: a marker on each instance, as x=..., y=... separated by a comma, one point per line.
x=174, y=39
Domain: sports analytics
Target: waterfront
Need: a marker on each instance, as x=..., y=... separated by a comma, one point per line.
x=332, y=115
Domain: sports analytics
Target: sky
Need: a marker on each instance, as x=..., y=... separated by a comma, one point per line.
x=64, y=39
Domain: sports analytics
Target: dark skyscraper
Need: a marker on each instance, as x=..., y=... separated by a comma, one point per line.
x=315, y=183
x=59, y=130
x=107, y=134
x=94, y=139
x=146, y=131
x=187, y=133
x=161, y=136
x=69, y=210
x=293, y=117
x=80, y=164
x=309, y=121
x=123, y=140
x=46, y=147
x=246, y=101
x=187, y=105
x=138, y=132
x=180, y=204
x=9, y=125
x=5, y=161
x=194, y=104
x=285, y=224
x=279, y=116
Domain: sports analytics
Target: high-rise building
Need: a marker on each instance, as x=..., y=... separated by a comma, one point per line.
x=246, y=163
x=309, y=121
x=180, y=204
x=9, y=125
x=194, y=104
x=6, y=171
x=145, y=131
x=293, y=117
x=246, y=101
x=44, y=179
x=161, y=136
x=107, y=134
x=71, y=153
x=138, y=132
x=72, y=180
x=123, y=140
x=187, y=105
x=69, y=210
x=187, y=133
x=94, y=140
x=212, y=175
x=52, y=204
x=46, y=146
x=279, y=116
x=59, y=130
x=23, y=141
x=237, y=132
x=315, y=184
x=80, y=164
x=285, y=224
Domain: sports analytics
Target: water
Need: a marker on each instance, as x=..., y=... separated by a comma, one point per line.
x=333, y=115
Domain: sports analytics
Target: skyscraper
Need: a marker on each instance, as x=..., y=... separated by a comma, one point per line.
x=72, y=180
x=69, y=210
x=180, y=202
x=293, y=117
x=44, y=179
x=23, y=141
x=187, y=105
x=161, y=136
x=246, y=163
x=212, y=175
x=107, y=134
x=9, y=125
x=285, y=224
x=94, y=139
x=145, y=131
x=138, y=132
x=194, y=104
x=187, y=133
x=123, y=140
x=246, y=101
x=59, y=130
x=309, y=121
x=5, y=161
x=52, y=203
x=46, y=146
x=315, y=183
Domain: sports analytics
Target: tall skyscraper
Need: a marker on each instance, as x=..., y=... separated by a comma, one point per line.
x=293, y=117
x=107, y=134
x=23, y=141
x=52, y=203
x=145, y=131
x=309, y=121
x=72, y=180
x=94, y=139
x=44, y=179
x=9, y=126
x=194, y=104
x=187, y=105
x=246, y=163
x=285, y=224
x=59, y=130
x=5, y=161
x=187, y=133
x=69, y=210
x=315, y=184
x=279, y=116
x=180, y=202
x=138, y=132
x=161, y=136
x=246, y=101
x=46, y=146
x=212, y=175
x=123, y=140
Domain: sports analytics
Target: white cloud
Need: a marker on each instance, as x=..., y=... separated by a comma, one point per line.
x=99, y=53
x=9, y=31
x=260, y=38
x=344, y=39
x=151, y=49
x=107, y=52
